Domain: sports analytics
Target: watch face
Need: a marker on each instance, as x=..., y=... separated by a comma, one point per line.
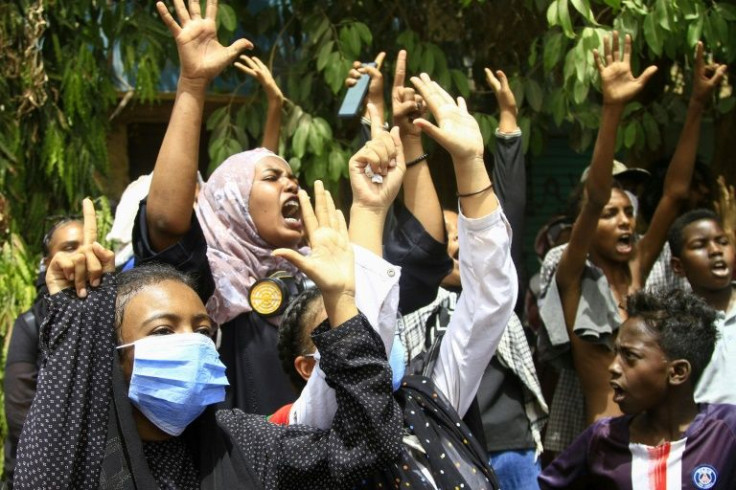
x=266, y=297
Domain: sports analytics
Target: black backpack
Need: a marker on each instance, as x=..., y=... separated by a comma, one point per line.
x=436, y=440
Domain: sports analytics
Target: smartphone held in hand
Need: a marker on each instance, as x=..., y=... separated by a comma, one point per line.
x=354, y=97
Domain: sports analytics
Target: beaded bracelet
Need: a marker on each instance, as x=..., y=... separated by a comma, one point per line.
x=490, y=186
x=417, y=160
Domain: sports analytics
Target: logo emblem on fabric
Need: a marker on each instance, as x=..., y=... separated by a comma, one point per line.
x=705, y=476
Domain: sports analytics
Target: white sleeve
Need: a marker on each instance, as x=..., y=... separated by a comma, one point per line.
x=377, y=297
x=483, y=310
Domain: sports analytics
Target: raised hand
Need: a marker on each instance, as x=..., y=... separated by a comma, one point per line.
x=382, y=156
x=331, y=262
x=407, y=105
x=617, y=82
x=505, y=98
x=375, y=88
x=86, y=264
x=201, y=55
x=252, y=66
x=456, y=130
x=705, y=77
x=726, y=206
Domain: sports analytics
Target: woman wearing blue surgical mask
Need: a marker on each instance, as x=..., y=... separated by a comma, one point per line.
x=130, y=375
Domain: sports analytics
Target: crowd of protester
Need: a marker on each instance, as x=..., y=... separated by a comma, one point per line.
x=244, y=336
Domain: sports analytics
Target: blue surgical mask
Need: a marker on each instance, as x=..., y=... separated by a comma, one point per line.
x=397, y=361
x=174, y=378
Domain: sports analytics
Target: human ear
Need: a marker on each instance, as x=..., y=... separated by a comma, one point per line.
x=676, y=265
x=304, y=366
x=679, y=372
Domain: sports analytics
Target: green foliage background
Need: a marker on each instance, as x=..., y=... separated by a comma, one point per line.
x=58, y=89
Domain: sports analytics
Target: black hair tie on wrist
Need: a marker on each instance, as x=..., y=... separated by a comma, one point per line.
x=490, y=186
x=417, y=160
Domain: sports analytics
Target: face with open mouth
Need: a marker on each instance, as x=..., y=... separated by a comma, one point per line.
x=707, y=256
x=614, y=235
x=639, y=371
x=274, y=203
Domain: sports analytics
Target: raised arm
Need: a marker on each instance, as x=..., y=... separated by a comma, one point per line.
x=376, y=173
x=591, y=360
x=377, y=281
x=619, y=86
x=365, y=436
x=487, y=272
x=420, y=196
x=330, y=262
x=202, y=58
x=509, y=171
x=457, y=131
x=375, y=88
x=725, y=206
x=680, y=172
x=254, y=67
x=509, y=174
x=367, y=427
x=68, y=420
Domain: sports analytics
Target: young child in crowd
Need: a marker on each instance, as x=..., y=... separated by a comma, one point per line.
x=704, y=254
x=665, y=439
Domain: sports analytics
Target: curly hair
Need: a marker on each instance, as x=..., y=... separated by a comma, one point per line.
x=294, y=337
x=683, y=322
x=674, y=236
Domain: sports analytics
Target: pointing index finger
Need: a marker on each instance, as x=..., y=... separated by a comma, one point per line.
x=400, y=73
x=90, y=222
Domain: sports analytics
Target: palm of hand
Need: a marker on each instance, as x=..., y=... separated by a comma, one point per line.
x=460, y=131
x=330, y=261
x=618, y=83
x=201, y=54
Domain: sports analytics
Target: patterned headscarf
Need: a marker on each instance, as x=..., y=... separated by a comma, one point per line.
x=237, y=254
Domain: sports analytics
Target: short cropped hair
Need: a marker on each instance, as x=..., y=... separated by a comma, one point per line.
x=683, y=322
x=674, y=236
x=134, y=280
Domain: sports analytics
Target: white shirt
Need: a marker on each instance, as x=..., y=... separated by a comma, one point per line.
x=716, y=384
x=377, y=297
x=490, y=288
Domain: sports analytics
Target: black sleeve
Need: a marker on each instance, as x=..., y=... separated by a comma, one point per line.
x=189, y=255
x=509, y=183
x=63, y=440
x=366, y=432
x=423, y=260
x=21, y=371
